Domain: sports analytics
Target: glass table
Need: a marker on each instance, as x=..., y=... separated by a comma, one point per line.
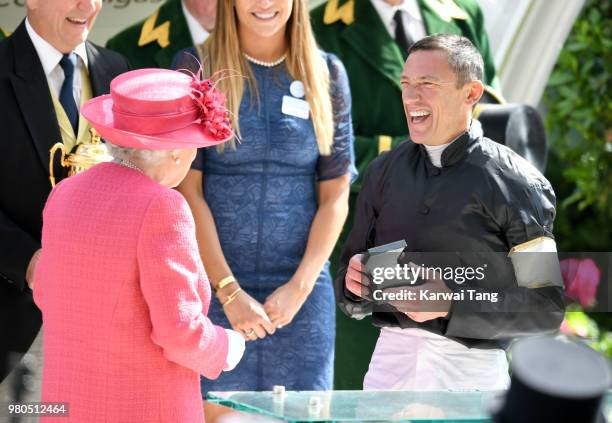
x=369, y=406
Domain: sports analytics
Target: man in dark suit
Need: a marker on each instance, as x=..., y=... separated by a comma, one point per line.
x=47, y=69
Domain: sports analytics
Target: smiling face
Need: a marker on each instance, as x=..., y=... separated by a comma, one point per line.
x=63, y=23
x=437, y=110
x=263, y=18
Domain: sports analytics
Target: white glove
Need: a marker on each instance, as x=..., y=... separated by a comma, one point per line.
x=235, y=349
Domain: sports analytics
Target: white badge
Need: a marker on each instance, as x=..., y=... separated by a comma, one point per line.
x=295, y=107
x=297, y=89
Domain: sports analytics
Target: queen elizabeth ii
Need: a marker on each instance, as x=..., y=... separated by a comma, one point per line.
x=120, y=282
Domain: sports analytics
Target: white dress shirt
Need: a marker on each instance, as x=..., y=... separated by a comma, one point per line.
x=412, y=19
x=197, y=31
x=50, y=58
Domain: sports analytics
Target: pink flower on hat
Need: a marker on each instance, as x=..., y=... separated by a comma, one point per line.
x=213, y=113
x=581, y=279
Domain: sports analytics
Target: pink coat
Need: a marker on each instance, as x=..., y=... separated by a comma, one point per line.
x=124, y=298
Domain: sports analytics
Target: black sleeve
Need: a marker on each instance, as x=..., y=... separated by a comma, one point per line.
x=528, y=213
x=360, y=238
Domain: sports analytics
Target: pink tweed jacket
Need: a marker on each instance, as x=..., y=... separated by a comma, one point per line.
x=124, y=298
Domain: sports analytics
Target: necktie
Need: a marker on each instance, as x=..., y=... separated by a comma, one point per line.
x=402, y=38
x=66, y=98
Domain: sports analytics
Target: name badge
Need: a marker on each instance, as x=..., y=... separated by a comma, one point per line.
x=295, y=107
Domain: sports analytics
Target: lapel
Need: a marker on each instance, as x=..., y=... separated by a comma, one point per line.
x=434, y=24
x=100, y=75
x=368, y=36
x=34, y=97
x=180, y=37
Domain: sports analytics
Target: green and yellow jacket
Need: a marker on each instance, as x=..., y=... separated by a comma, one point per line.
x=353, y=30
x=153, y=42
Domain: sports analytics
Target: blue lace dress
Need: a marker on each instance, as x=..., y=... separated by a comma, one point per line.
x=263, y=199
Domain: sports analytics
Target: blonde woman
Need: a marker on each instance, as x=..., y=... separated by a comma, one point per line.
x=270, y=208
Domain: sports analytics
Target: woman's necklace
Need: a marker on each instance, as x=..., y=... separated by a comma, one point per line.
x=127, y=163
x=265, y=64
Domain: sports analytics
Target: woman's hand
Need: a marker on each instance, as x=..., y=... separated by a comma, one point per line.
x=244, y=313
x=248, y=317
x=284, y=303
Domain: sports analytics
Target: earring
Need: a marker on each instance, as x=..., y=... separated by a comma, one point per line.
x=177, y=160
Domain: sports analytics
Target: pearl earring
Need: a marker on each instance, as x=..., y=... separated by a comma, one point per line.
x=177, y=160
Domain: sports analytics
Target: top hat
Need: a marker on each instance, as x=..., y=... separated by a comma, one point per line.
x=518, y=126
x=555, y=381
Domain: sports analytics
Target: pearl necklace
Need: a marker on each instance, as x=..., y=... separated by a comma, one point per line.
x=265, y=64
x=127, y=163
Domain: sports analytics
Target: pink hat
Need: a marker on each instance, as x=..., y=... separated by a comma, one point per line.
x=159, y=109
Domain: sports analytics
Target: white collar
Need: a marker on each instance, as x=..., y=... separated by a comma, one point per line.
x=386, y=11
x=435, y=152
x=50, y=56
x=443, y=146
x=197, y=31
x=434, y=148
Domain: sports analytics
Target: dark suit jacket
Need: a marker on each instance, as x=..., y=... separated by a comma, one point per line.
x=28, y=130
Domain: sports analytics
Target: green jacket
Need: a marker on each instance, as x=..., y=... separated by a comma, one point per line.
x=153, y=42
x=3, y=34
x=353, y=30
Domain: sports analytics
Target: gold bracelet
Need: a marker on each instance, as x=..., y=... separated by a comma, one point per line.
x=225, y=282
x=231, y=297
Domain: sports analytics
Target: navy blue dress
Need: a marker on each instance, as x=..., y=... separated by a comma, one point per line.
x=263, y=199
